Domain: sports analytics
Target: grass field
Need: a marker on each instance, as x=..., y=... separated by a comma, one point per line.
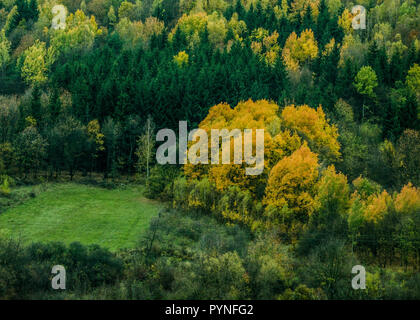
x=70, y=212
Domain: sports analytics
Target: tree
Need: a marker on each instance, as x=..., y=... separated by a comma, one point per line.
x=79, y=34
x=9, y=118
x=96, y=141
x=129, y=10
x=4, y=50
x=313, y=125
x=36, y=106
x=145, y=147
x=365, y=82
x=192, y=26
x=33, y=11
x=35, y=64
x=246, y=115
x=111, y=131
x=54, y=105
x=12, y=20
x=112, y=18
x=298, y=50
x=329, y=221
x=289, y=195
x=412, y=80
x=181, y=59
x=30, y=149
x=70, y=139
x=408, y=153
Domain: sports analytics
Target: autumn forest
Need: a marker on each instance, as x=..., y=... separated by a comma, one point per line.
x=86, y=85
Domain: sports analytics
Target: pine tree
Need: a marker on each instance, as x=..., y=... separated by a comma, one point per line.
x=36, y=106
x=307, y=19
x=54, y=106
x=239, y=9
x=33, y=12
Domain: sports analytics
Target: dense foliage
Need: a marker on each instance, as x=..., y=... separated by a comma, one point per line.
x=341, y=113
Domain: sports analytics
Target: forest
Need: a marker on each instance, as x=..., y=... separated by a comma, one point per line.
x=84, y=91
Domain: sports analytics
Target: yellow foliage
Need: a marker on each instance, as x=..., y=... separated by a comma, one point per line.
x=194, y=24
x=247, y=115
x=266, y=45
x=191, y=25
x=345, y=20
x=377, y=207
x=292, y=183
x=35, y=67
x=94, y=132
x=408, y=200
x=313, y=125
x=329, y=47
x=299, y=7
x=181, y=59
x=297, y=50
x=281, y=139
x=237, y=26
x=80, y=32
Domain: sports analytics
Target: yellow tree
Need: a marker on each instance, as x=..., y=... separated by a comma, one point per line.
x=181, y=59
x=299, y=7
x=313, y=125
x=80, y=33
x=298, y=50
x=191, y=26
x=345, y=20
x=265, y=45
x=408, y=200
x=290, y=191
x=377, y=206
x=246, y=115
x=413, y=80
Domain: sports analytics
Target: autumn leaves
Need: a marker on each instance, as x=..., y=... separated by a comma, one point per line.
x=296, y=141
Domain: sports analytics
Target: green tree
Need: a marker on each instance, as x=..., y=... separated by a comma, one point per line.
x=365, y=82
x=412, y=80
x=4, y=50
x=112, y=18
x=31, y=150
x=112, y=132
x=70, y=138
x=36, y=61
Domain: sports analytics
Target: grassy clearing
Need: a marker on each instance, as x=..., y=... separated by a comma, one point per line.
x=70, y=212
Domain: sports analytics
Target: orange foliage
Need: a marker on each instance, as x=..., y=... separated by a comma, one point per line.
x=377, y=207
x=313, y=125
x=292, y=183
x=247, y=115
x=408, y=200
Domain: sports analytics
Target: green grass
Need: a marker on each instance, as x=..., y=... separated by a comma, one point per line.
x=70, y=212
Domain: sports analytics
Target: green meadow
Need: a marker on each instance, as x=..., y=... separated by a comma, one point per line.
x=90, y=215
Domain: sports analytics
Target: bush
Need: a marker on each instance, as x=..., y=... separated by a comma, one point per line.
x=25, y=272
x=5, y=185
x=161, y=182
